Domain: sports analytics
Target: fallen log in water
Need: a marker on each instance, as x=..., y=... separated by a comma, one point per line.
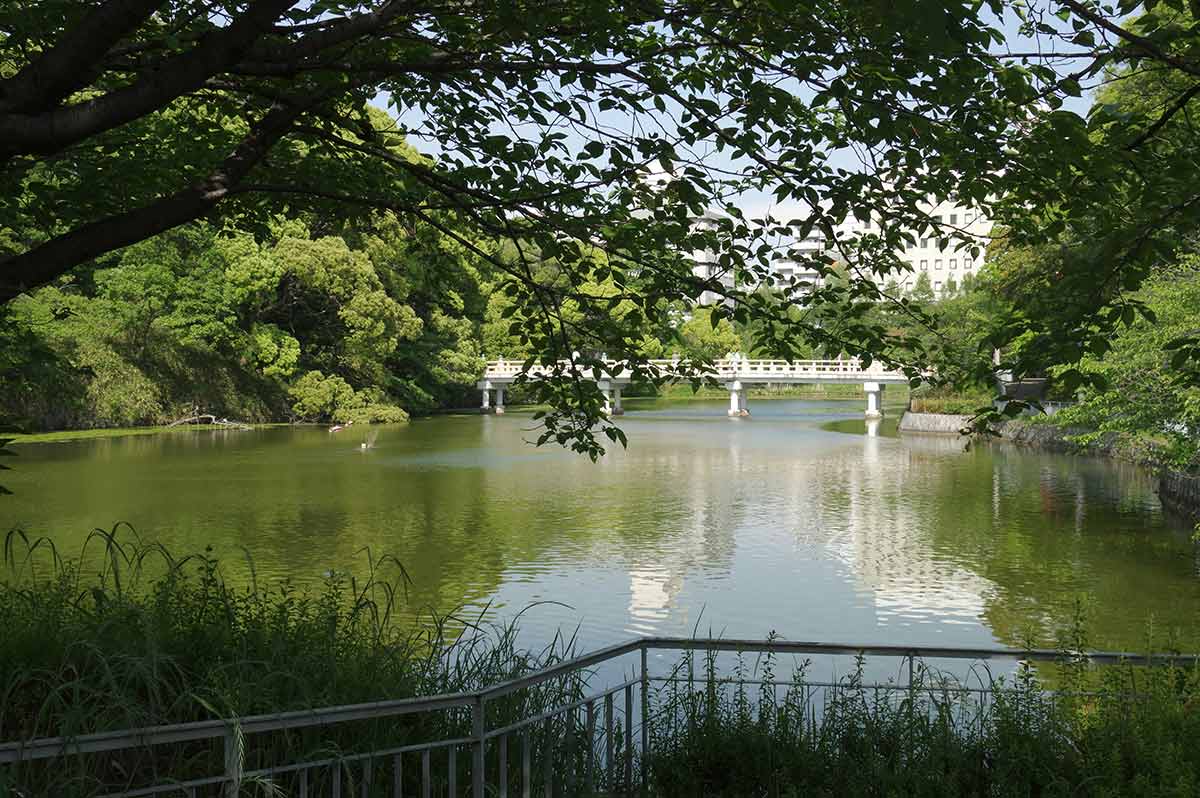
x=210, y=420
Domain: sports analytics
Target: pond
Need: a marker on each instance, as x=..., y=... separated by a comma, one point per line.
x=792, y=520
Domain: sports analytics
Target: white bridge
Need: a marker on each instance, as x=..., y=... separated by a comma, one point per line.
x=736, y=372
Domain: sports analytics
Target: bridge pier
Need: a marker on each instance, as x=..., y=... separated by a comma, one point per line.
x=874, y=392
x=737, y=399
x=612, y=399
x=486, y=387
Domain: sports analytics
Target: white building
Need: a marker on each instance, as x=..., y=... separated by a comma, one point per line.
x=946, y=267
x=785, y=270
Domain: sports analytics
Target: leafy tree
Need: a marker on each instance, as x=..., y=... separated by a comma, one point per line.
x=707, y=336
x=923, y=289
x=120, y=119
x=1102, y=200
x=316, y=397
x=1135, y=387
x=215, y=320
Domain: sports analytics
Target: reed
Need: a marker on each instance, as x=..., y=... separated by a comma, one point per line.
x=150, y=639
x=1117, y=731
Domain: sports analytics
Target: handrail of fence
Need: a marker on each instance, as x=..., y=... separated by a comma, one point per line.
x=232, y=732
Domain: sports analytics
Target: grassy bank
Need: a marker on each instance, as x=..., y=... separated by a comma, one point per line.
x=117, y=432
x=152, y=639
x=945, y=401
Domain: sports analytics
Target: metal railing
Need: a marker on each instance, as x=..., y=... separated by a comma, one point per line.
x=847, y=369
x=588, y=740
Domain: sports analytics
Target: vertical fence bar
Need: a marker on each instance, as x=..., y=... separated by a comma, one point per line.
x=233, y=762
x=610, y=769
x=590, y=778
x=645, y=716
x=426, y=787
x=629, y=739
x=548, y=758
x=526, y=765
x=452, y=775
x=569, y=734
x=398, y=776
x=912, y=696
x=478, y=727
x=336, y=777
x=368, y=766
x=304, y=783
x=503, y=757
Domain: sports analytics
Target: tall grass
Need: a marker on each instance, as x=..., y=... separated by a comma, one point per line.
x=147, y=638
x=1119, y=731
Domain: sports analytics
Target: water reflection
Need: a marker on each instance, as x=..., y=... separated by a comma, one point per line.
x=804, y=519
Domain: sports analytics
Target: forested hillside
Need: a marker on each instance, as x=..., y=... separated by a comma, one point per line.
x=307, y=323
x=308, y=320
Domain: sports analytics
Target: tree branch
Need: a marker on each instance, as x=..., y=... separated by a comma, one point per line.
x=1138, y=42
x=70, y=62
x=43, y=263
x=54, y=130
x=1161, y=122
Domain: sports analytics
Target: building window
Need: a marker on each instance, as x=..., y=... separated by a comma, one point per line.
x=937, y=219
x=954, y=218
x=967, y=263
x=924, y=242
x=937, y=286
x=954, y=263
x=970, y=218
x=937, y=264
x=924, y=265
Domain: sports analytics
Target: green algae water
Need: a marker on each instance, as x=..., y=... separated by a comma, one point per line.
x=794, y=520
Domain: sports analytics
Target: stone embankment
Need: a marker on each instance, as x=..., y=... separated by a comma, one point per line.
x=941, y=423
x=1178, y=491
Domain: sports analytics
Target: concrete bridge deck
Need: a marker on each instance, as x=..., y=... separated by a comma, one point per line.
x=737, y=374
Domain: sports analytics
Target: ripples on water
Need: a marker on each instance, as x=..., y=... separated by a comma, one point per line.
x=790, y=521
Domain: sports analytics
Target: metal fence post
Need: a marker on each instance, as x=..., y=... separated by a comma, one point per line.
x=645, y=718
x=912, y=695
x=233, y=761
x=477, y=732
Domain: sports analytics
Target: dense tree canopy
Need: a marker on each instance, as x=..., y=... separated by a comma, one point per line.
x=540, y=122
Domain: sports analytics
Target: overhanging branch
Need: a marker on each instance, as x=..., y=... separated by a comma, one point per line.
x=70, y=62
x=54, y=130
x=43, y=263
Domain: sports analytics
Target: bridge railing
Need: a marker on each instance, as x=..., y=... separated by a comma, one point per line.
x=728, y=368
x=583, y=725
